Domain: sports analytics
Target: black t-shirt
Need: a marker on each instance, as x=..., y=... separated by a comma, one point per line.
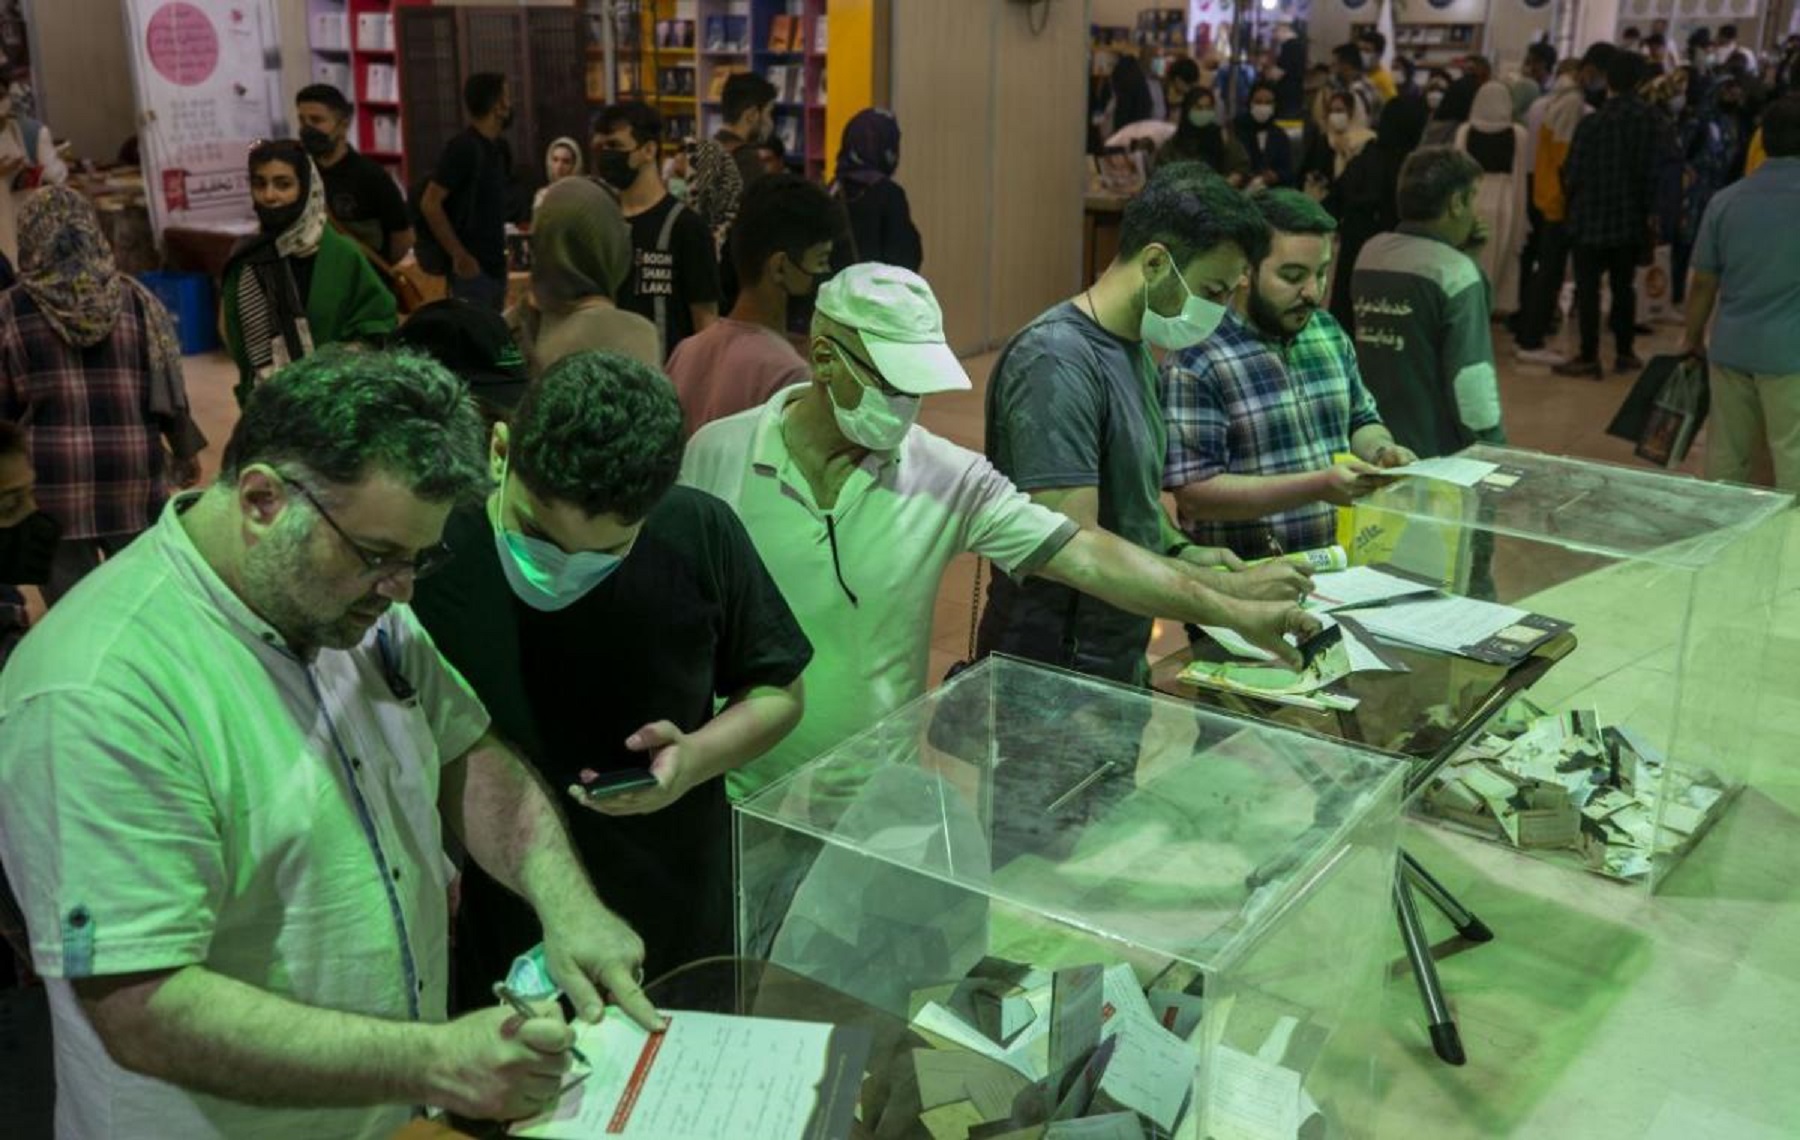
x=365, y=200
x=672, y=266
x=688, y=619
x=473, y=170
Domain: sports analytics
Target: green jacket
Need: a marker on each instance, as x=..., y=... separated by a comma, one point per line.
x=347, y=301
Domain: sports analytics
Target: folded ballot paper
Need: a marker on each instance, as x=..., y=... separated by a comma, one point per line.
x=709, y=1076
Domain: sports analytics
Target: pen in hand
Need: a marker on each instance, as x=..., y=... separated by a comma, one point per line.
x=505, y=994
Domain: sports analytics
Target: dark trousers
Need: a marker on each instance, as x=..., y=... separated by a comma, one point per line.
x=1619, y=264
x=1544, y=287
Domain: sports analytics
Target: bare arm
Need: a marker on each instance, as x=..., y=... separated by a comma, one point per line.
x=751, y=723
x=203, y=1031
x=400, y=243
x=1702, y=299
x=1241, y=498
x=508, y=821
x=1124, y=575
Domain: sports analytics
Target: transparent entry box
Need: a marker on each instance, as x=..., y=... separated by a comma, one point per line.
x=1036, y=816
x=1669, y=582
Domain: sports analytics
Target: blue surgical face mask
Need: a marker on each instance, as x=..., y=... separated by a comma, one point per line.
x=543, y=575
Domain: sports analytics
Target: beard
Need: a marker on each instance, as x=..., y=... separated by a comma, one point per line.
x=1281, y=323
x=283, y=584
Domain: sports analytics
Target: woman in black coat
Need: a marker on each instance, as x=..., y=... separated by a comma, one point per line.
x=1366, y=194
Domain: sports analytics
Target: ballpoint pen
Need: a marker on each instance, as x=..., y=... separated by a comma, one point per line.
x=505, y=994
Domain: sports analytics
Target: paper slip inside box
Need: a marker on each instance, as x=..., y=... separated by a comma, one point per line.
x=1447, y=469
x=707, y=1076
x=1467, y=627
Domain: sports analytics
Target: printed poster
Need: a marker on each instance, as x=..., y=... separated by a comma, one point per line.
x=208, y=77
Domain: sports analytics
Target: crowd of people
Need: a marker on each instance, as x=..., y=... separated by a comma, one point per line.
x=1590, y=169
x=549, y=588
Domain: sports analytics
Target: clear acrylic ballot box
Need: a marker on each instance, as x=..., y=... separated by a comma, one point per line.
x=1233, y=876
x=1623, y=755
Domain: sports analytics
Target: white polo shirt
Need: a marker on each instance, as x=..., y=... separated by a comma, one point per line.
x=899, y=520
x=183, y=790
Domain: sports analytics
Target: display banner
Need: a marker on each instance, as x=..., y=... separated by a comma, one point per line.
x=208, y=79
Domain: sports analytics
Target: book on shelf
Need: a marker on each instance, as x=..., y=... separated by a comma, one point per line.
x=796, y=33
x=781, y=33
x=727, y=33
x=820, y=24
x=787, y=129
x=787, y=79
x=720, y=74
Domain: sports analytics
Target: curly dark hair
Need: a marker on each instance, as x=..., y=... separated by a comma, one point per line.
x=600, y=431
x=346, y=413
x=1189, y=210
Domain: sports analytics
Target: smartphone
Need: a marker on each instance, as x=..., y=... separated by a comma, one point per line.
x=614, y=783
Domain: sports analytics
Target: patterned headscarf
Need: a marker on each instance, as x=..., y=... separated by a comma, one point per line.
x=301, y=237
x=871, y=147
x=66, y=267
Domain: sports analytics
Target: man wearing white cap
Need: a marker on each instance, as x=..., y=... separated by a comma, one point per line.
x=856, y=513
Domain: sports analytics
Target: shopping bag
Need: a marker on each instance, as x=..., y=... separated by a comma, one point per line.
x=1635, y=411
x=1675, y=416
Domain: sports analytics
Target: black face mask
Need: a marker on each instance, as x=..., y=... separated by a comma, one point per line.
x=27, y=548
x=614, y=168
x=318, y=143
x=275, y=220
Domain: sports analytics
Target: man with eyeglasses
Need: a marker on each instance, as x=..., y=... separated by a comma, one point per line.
x=626, y=638
x=857, y=513
x=230, y=759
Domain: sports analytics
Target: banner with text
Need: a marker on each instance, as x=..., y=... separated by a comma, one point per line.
x=208, y=77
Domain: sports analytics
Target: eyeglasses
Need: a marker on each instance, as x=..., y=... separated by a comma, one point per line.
x=422, y=565
x=874, y=376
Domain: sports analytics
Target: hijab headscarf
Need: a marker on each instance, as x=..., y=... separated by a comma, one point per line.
x=1349, y=142
x=1459, y=100
x=1131, y=93
x=871, y=147
x=550, y=156
x=1205, y=143
x=580, y=246
x=1492, y=110
x=276, y=280
x=66, y=267
x=1402, y=124
x=1490, y=137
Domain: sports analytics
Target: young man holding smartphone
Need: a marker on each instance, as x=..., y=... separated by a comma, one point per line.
x=602, y=614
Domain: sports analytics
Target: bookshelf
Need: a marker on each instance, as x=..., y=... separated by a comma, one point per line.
x=353, y=45
x=1431, y=44
x=677, y=54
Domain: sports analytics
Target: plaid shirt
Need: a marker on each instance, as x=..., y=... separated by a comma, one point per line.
x=1238, y=404
x=1609, y=178
x=97, y=452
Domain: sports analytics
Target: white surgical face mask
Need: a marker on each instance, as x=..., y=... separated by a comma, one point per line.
x=879, y=421
x=1338, y=120
x=1262, y=112
x=1454, y=73
x=1202, y=118
x=1433, y=98
x=1194, y=323
x=542, y=574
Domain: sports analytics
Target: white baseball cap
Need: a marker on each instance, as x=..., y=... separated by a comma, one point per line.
x=900, y=323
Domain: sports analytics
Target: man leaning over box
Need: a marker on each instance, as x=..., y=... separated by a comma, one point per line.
x=229, y=759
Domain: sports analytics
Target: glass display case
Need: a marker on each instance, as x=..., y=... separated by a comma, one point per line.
x=972, y=861
x=1623, y=754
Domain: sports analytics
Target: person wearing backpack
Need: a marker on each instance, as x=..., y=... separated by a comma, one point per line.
x=674, y=276
x=463, y=205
